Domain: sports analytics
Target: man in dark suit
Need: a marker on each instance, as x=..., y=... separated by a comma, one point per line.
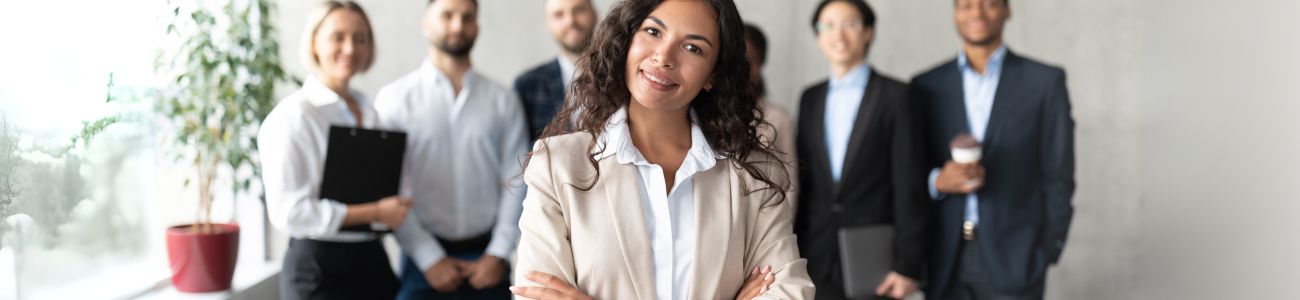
x=542, y=89
x=859, y=144
x=1003, y=219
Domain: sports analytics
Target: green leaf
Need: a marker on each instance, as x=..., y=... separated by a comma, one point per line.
x=109, y=97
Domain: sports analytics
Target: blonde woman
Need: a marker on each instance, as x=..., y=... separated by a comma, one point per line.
x=323, y=262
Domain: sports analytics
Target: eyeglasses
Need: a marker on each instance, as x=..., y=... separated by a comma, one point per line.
x=968, y=5
x=850, y=25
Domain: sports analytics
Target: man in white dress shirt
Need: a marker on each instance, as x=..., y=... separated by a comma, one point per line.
x=465, y=137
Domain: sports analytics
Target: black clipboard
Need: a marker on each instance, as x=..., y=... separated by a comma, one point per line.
x=362, y=166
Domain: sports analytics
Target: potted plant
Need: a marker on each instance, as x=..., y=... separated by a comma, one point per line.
x=222, y=76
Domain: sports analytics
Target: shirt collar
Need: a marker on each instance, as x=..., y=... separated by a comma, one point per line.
x=320, y=95
x=617, y=142
x=995, y=61
x=856, y=78
x=439, y=77
x=567, y=70
x=566, y=65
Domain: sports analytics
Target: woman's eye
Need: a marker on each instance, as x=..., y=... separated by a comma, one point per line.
x=652, y=31
x=693, y=48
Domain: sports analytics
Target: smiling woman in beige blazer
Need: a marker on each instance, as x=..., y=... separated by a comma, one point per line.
x=652, y=182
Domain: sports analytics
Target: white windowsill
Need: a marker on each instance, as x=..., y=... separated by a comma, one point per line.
x=247, y=275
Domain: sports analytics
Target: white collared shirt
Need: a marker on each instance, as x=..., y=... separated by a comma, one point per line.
x=670, y=217
x=567, y=70
x=292, y=143
x=463, y=150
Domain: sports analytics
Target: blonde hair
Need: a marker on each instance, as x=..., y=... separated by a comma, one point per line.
x=314, y=20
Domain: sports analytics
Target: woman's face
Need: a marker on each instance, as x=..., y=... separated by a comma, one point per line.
x=342, y=44
x=672, y=55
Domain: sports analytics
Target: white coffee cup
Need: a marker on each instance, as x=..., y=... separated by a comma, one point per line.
x=965, y=156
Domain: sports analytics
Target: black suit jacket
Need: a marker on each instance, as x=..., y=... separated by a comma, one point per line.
x=542, y=92
x=1028, y=157
x=882, y=181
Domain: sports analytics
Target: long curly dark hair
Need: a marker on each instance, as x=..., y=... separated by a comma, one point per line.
x=728, y=114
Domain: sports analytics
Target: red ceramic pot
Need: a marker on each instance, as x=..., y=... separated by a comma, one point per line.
x=203, y=261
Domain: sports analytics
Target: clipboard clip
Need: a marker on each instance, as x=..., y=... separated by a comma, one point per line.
x=382, y=134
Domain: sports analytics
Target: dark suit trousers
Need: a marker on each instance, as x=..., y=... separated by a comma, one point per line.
x=971, y=282
x=329, y=270
x=835, y=290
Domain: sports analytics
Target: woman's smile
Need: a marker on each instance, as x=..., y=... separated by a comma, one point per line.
x=661, y=82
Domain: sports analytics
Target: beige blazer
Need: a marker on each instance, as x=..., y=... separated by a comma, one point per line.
x=597, y=240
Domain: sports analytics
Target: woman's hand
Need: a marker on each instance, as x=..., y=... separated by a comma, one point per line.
x=555, y=289
x=392, y=211
x=756, y=284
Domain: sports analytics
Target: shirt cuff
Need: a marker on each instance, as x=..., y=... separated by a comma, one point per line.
x=429, y=257
x=499, y=247
x=418, y=244
x=426, y=257
x=337, y=212
x=934, y=191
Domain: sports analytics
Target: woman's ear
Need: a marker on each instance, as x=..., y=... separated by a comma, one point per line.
x=708, y=85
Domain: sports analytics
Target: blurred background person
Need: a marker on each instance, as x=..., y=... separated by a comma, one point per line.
x=660, y=189
x=859, y=140
x=466, y=136
x=779, y=133
x=996, y=234
x=543, y=88
x=323, y=262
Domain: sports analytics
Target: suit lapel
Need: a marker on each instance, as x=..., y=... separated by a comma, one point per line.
x=817, y=132
x=1002, y=100
x=712, y=228
x=556, y=84
x=861, y=125
x=624, y=196
x=957, y=109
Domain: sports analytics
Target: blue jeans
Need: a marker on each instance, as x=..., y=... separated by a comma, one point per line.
x=415, y=287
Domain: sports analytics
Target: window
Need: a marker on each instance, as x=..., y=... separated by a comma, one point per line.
x=82, y=217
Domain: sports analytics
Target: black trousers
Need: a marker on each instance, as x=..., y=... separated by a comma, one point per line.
x=329, y=270
x=834, y=288
x=970, y=281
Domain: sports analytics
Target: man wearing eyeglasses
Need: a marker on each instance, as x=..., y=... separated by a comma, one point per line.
x=1001, y=219
x=859, y=143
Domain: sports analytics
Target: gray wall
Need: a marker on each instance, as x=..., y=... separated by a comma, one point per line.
x=1148, y=80
x=1219, y=104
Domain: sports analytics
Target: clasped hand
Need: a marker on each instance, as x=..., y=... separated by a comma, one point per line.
x=449, y=273
x=758, y=282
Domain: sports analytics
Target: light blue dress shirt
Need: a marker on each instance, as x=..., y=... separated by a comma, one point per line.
x=978, y=91
x=843, y=97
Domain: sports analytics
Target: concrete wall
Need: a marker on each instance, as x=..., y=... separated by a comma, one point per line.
x=1219, y=110
x=1146, y=78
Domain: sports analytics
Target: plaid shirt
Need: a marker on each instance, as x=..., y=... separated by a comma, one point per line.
x=542, y=92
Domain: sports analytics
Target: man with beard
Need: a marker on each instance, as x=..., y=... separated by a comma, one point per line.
x=464, y=137
x=542, y=89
